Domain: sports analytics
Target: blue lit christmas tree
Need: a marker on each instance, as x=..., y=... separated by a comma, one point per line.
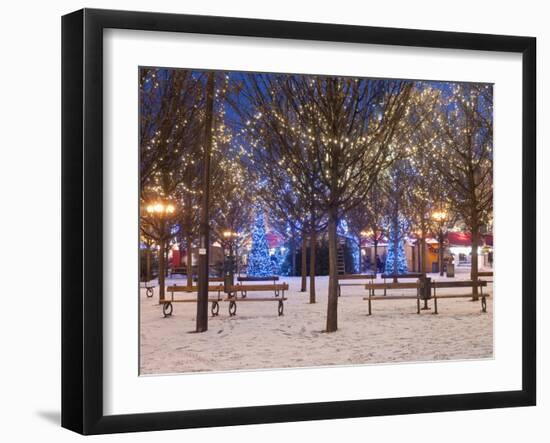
x=259, y=262
x=395, y=238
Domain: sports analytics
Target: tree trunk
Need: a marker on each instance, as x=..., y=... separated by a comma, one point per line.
x=204, y=227
x=474, y=269
x=312, y=248
x=395, y=247
x=360, y=257
x=440, y=253
x=332, y=308
x=189, y=250
x=418, y=257
x=375, y=257
x=237, y=269
x=423, y=254
x=148, y=263
x=304, y=264
x=166, y=261
x=293, y=260
x=161, y=270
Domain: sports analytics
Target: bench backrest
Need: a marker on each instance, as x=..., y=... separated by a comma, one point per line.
x=433, y=284
x=458, y=284
x=268, y=278
x=485, y=274
x=281, y=286
x=175, y=288
x=408, y=275
x=356, y=277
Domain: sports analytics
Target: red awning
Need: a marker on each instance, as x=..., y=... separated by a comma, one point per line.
x=459, y=239
x=465, y=239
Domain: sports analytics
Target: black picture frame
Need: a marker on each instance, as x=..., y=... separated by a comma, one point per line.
x=82, y=215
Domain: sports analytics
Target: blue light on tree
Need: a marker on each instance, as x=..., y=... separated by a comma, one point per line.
x=259, y=262
x=395, y=242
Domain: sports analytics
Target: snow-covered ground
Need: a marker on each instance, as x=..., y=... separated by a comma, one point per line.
x=258, y=338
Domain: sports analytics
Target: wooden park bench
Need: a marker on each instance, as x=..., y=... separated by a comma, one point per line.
x=279, y=289
x=459, y=284
x=342, y=277
x=372, y=287
x=167, y=307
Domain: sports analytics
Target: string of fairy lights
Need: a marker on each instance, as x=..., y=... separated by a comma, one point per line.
x=298, y=146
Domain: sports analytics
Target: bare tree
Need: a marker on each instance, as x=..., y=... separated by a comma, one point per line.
x=289, y=193
x=170, y=127
x=462, y=145
x=335, y=133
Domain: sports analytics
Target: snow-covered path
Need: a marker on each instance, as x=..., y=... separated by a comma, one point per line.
x=257, y=338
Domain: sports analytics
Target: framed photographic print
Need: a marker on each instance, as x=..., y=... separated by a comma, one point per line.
x=270, y=221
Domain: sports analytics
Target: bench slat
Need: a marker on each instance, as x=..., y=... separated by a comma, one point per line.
x=283, y=286
x=268, y=278
x=239, y=300
x=410, y=285
x=392, y=297
x=457, y=284
x=193, y=288
x=408, y=275
x=187, y=300
x=460, y=296
x=485, y=274
x=356, y=277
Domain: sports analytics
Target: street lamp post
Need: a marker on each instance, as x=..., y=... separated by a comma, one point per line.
x=440, y=217
x=162, y=211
